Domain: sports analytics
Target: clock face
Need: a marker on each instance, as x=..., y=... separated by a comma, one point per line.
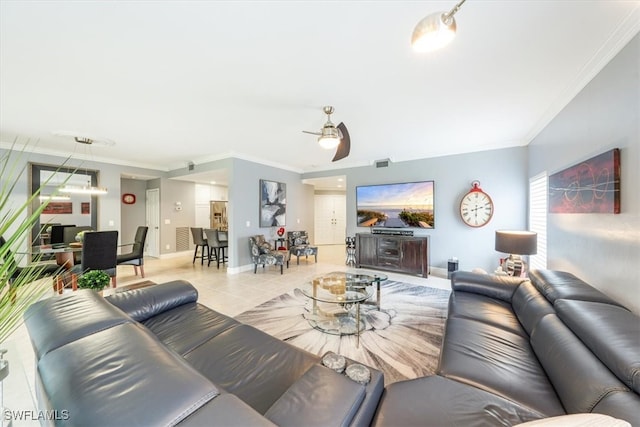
x=129, y=198
x=476, y=208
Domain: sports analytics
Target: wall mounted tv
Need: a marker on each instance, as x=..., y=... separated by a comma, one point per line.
x=402, y=205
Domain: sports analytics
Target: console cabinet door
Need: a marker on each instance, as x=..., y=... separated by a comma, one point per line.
x=366, y=248
x=413, y=259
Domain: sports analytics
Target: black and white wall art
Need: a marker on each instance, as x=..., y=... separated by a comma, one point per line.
x=273, y=203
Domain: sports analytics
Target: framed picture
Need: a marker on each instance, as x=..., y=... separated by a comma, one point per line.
x=592, y=186
x=273, y=203
x=54, y=208
x=85, y=208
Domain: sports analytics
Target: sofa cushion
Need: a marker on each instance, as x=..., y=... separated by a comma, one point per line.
x=122, y=376
x=436, y=401
x=485, y=309
x=144, y=303
x=612, y=333
x=530, y=306
x=201, y=323
x=497, y=361
x=254, y=366
x=578, y=376
x=563, y=285
x=56, y=321
x=320, y=398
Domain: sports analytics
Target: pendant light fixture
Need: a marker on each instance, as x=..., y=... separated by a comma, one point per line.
x=435, y=31
x=83, y=189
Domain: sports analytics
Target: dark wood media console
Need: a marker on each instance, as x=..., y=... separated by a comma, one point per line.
x=403, y=254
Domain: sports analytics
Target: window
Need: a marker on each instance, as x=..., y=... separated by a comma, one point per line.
x=538, y=218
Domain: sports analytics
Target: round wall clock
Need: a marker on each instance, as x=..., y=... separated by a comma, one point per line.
x=476, y=207
x=128, y=198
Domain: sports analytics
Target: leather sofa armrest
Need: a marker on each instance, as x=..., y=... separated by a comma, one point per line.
x=499, y=287
x=141, y=304
x=320, y=397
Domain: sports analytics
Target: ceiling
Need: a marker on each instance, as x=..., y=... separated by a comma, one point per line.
x=177, y=82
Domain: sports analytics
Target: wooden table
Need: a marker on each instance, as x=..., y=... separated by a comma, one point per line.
x=65, y=257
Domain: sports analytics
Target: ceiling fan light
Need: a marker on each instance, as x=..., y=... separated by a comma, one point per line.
x=328, y=142
x=433, y=32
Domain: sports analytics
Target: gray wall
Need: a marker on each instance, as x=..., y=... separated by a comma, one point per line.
x=602, y=249
x=244, y=194
x=132, y=215
x=502, y=174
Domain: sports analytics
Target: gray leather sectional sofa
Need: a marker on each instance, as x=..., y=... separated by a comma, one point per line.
x=156, y=357
x=514, y=350
x=517, y=350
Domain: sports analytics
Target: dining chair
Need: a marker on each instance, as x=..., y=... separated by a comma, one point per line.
x=57, y=233
x=201, y=243
x=217, y=245
x=99, y=252
x=136, y=256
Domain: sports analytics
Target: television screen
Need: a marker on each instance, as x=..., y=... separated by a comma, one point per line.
x=409, y=204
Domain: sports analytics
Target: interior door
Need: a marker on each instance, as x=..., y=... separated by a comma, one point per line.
x=330, y=219
x=153, y=222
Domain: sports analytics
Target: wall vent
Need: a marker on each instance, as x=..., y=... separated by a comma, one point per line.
x=190, y=166
x=182, y=239
x=384, y=163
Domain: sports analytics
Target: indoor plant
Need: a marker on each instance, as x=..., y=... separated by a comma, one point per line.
x=16, y=222
x=94, y=279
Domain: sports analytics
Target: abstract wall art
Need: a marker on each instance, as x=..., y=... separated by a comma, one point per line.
x=592, y=186
x=273, y=203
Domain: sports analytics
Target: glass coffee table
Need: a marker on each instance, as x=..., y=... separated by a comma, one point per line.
x=336, y=298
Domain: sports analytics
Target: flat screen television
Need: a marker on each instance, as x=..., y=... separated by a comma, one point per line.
x=402, y=205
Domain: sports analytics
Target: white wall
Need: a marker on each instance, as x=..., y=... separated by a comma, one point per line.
x=602, y=249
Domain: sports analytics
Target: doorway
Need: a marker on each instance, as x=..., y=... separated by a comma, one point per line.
x=153, y=221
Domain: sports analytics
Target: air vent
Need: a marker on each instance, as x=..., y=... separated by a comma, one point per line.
x=384, y=163
x=190, y=166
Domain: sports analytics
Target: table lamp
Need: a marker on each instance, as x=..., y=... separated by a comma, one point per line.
x=516, y=243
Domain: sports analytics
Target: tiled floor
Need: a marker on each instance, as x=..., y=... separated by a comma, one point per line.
x=229, y=294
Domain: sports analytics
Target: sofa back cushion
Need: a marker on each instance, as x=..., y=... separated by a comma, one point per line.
x=142, y=304
x=122, y=376
x=563, y=285
x=530, y=306
x=611, y=332
x=578, y=376
x=59, y=320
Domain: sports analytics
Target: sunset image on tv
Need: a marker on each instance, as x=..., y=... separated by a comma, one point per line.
x=402, y=205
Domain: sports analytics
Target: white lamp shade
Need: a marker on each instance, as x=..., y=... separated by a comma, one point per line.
x=328, y=142
x=432, y=33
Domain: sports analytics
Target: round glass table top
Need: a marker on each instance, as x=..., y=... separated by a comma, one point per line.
x=339, y=287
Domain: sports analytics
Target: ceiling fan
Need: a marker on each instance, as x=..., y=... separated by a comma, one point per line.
x=331, y=136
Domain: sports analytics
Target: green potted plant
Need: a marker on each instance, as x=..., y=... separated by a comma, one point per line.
x=94, y=279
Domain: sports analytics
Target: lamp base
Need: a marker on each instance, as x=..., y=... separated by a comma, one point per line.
x=514, y=265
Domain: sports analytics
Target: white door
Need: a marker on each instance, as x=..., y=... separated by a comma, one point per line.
x=153, y=222
x=330, y=219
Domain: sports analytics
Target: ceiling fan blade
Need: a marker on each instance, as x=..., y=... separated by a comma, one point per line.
x=312, y=133
x=345, y=143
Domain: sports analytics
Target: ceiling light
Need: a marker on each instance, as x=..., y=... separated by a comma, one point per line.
x=435, y=31
x=52, y=197
x=83, y=189
x=329, y=137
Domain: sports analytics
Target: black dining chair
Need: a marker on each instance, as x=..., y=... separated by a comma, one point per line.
x=216, y=247
x=136, y=256
x=33, y=271
x=201, y=243
x=99, y=252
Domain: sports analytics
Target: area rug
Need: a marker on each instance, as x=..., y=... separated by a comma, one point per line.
x=402, y=339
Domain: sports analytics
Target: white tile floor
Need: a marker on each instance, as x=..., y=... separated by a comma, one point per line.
x=229, y=294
